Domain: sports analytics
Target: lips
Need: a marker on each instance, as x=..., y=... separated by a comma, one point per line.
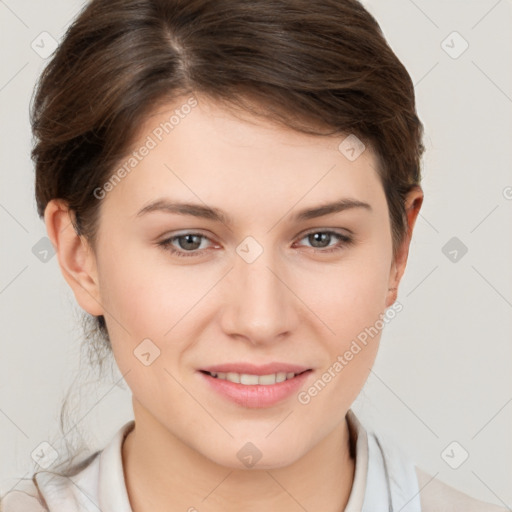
x=252, y=369
x=255, y=395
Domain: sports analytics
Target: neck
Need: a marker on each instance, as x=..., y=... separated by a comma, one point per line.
x=164, y=474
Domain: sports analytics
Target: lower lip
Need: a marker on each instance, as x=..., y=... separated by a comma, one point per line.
x=256, y=395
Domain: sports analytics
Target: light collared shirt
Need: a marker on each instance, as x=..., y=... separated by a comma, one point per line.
x=385, y=480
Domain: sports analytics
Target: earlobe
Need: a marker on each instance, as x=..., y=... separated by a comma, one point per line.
x=76, y=259
x=413, y=203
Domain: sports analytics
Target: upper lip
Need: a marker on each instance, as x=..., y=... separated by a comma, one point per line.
x=252, y=369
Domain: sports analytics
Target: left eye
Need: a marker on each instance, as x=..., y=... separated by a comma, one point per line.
x=189, y=243
x=322, y=237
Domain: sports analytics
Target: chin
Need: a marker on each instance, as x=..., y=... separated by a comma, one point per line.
x=253, y=455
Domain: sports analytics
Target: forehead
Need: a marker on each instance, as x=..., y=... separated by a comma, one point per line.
x=234, y=126
x=200, y=148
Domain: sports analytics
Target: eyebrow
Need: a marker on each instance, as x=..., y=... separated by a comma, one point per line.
x=218, y=215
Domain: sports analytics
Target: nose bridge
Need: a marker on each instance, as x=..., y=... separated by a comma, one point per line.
x=259, y=304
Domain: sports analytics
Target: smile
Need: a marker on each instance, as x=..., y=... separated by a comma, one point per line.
x=252, y=380
x=255, y=391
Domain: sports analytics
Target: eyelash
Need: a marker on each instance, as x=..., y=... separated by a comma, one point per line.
x=344, y=240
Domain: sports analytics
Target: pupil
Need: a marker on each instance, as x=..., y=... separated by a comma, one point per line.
x=188, y=243
x=319, y=237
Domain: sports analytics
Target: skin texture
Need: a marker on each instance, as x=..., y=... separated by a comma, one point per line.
x=291, y=304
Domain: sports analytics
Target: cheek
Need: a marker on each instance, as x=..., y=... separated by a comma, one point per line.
x=350, y=301
x=149, y=297
x=141, y=289
x=350, y=295
x=141, y=298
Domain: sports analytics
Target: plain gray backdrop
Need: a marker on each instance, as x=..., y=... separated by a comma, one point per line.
x=443, y=372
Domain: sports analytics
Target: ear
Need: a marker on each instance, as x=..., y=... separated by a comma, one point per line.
x=413, y=202
x=76, y=259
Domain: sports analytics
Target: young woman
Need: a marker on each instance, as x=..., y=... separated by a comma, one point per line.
x=231, y=188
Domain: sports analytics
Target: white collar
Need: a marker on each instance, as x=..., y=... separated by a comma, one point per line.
x=384, y=479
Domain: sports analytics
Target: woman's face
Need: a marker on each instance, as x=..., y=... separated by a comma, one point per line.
x=257, y=280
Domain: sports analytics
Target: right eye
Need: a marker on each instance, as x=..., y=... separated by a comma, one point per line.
x=189, y=240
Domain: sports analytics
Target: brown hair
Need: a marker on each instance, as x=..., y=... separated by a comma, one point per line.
x=320, y=68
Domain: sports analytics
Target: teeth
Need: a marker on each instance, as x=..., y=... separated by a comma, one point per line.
x=232, y=377
x=251, y=380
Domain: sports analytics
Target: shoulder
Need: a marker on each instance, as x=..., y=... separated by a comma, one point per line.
x=51, y=491
x=73, y=487
x=412, y=488
x=436, y=496
x=24, y=498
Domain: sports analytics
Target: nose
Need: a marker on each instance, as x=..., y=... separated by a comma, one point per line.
x=261, y=306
